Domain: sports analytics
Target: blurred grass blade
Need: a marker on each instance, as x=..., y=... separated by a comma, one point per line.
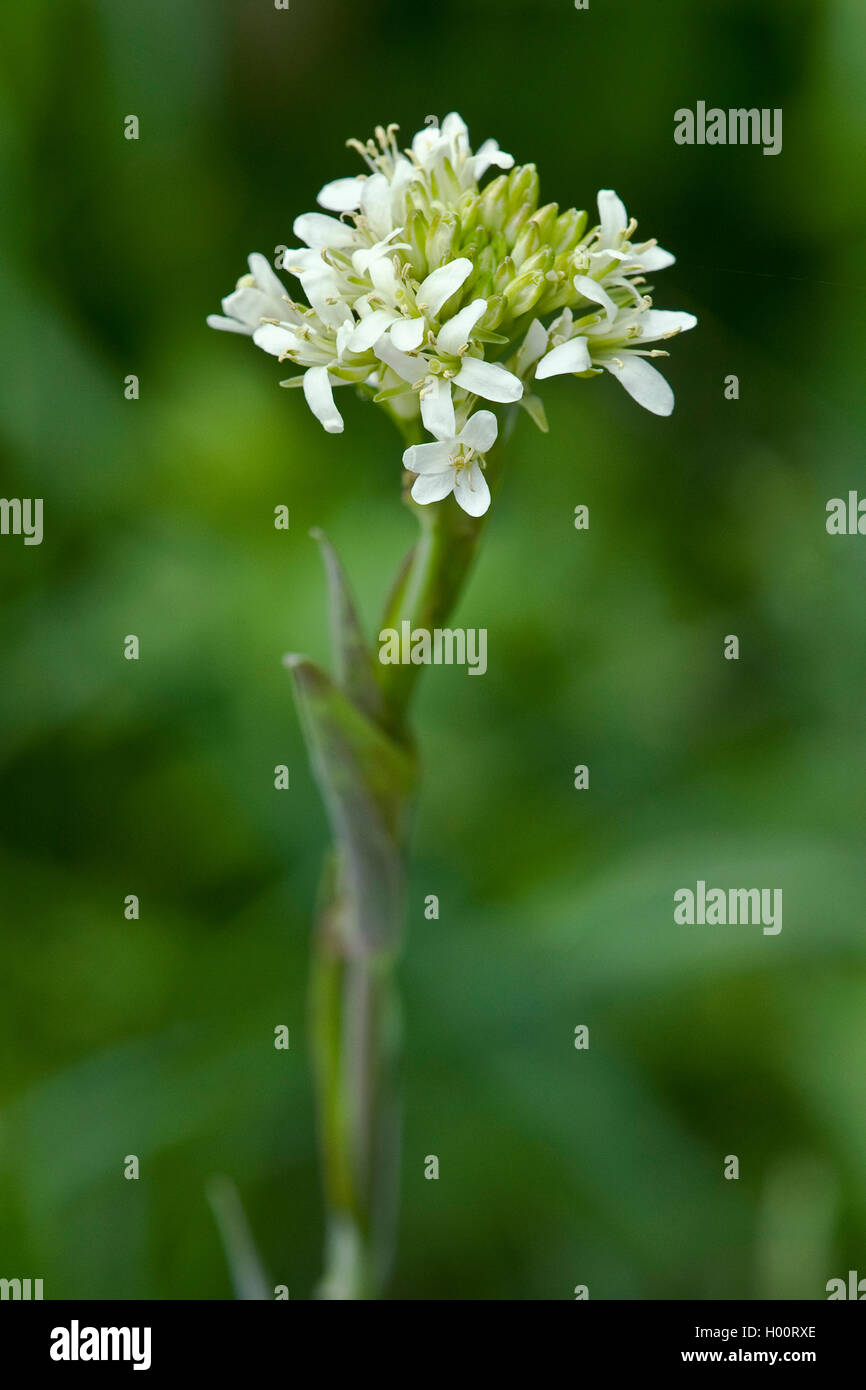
x=242, y=1257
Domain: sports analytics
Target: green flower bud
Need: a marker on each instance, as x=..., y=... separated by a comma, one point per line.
x=524, y=188
x=496, y=308
x=418, y=198
x=440, y=239
x=487, y=262
x=568, y=230
x=545, y=220
x=527, y=243
x=541, y=262
x=516, y=222
x=492, y=202
x=503, y=275
x=467, y=209
x=474, y=244
x=445, y=184
x=415, y=234
x=524, y=292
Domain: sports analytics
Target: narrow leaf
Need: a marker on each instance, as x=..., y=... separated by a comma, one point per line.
x=352, y=659
x=367, y=780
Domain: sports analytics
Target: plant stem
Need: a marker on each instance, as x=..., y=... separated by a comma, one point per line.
x=355, y=1025
x=431, y=581
x=356, y=1053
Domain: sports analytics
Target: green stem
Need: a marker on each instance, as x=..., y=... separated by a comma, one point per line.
x=355, y=1028
x=355, y=1033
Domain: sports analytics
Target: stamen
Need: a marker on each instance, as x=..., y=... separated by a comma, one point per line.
x=363, y=151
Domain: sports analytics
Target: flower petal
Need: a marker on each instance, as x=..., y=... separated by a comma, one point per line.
x=643, y=383
x=407, y=334
x=403, y=174
x=654, y=258
x=532, y=347
x=276, y=340
x=345, y=333
x=300, y=260
x=432, y=487
x=454, y=126
x=471, y=490
x=227, y=325
x=455, y=334
x=442, y=283
x=489, y=380
x=423, y=142
x=322, y=300
x=376, y=205
x=428, y=458
x=487, y=154
x=612, y=216
x=411, y=369
x=572, y=356
x=455, y=139
x=248, y=305
x=562, y=326
x=663, y=323
x=592, y=290
x=320, y=399
x=480, y=431
x=265, y=277
x=370, y=330
x=369, y=256
x=343, y=195
x=324, y=296
x=384, y=277
x=318, y=230
x=437, y=409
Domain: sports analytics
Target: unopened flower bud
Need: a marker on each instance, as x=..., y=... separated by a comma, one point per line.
x=545, y=220
x=523, y=189
x=503, y=275
x=524, y=292
x=570, y=227
x=492, y=202
x=526, y=244
x=440, y=239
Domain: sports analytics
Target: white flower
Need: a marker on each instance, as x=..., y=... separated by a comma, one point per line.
x=612, y=248
x=283, y=341
x=611, y=341
x=407, y=332
x=379, y=198
x=453, y=463
x=258, y=296
x=433, y=145
x=642, y=381
x=419, y=284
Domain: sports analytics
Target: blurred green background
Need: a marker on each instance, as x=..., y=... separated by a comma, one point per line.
x=155, y=1037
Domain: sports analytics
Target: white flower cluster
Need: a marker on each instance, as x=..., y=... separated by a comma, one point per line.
x=417, y=279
